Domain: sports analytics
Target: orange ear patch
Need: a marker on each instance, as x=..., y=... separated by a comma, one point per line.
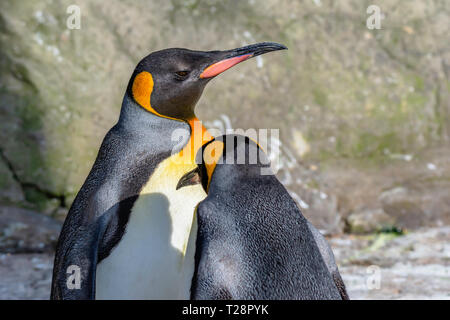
x=142, y=89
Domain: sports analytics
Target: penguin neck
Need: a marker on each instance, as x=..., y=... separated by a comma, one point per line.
x=199, y=135
x=226, y=175
x=132, y=115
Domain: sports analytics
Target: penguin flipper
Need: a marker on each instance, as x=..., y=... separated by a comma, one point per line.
x=212, y=266
x=340, y=285
x=75, y=263
x=87, y=237
x=328, y=258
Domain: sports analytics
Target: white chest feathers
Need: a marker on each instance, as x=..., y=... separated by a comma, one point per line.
x=155, y=257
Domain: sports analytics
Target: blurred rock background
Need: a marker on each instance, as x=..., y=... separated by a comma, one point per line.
x=364, y=115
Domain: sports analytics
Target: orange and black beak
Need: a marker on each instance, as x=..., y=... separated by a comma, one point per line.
x=228, y=59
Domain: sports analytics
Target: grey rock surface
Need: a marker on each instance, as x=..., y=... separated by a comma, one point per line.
x=369, y=221
x=412, y=266
x=25, y=276
x=26, y=231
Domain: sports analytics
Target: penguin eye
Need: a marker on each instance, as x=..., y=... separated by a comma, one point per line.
x=181, y=75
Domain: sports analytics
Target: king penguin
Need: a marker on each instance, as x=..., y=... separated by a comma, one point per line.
x=129, y=233
x=253, y=242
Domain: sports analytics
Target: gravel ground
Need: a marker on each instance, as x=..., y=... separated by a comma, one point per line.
x=25, y=276
x=413, y=266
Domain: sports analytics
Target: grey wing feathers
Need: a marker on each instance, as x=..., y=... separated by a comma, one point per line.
x=328, y=257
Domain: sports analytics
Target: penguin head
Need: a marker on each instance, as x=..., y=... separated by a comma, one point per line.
x=226, y=157
x=169, y=82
